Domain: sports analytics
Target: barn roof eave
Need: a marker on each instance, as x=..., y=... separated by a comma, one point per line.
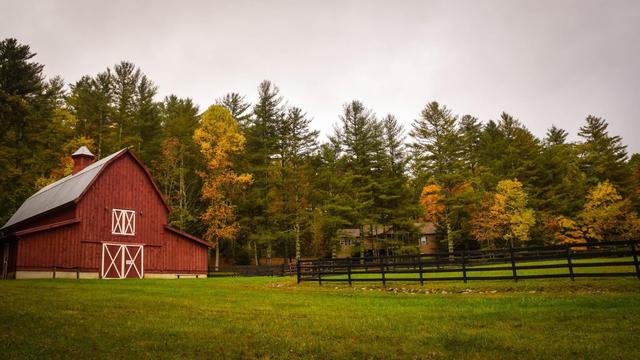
x=189, y=236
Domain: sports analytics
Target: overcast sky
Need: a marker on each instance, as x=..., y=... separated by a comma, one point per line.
x=545, y=62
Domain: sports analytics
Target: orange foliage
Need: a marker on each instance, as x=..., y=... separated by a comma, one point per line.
x=432, y=200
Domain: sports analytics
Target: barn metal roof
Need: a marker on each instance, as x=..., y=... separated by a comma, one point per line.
x=59, y=193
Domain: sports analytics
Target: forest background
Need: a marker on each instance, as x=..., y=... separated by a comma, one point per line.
x=256, y=179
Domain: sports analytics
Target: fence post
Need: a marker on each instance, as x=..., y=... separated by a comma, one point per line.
x=384, y=281
x=319, y=272
x=513, y=263
x=420, y=264
x=570, y=263
x=349, y=270
x=464, y=268
x=298, y=270
x=635, y=257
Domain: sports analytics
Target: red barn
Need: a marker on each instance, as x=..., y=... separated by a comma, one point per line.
x=107, y=220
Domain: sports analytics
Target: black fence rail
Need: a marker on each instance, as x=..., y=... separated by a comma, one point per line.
x=253, y=270
x=602, y=259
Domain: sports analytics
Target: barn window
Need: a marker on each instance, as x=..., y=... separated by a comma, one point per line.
x=123, y=222
x=423, y=240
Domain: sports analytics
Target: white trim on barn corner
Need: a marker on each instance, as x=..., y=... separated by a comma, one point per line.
x=123, y=222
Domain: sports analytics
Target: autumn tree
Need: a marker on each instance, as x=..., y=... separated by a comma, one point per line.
x=432, y=201
x=218, y=137
x=607, y=215
x=505, y=215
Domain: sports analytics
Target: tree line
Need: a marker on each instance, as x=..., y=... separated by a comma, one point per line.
x=256, y=179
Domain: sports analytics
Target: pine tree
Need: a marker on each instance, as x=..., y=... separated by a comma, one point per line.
x=237, y=106
x=28, y=104
x=437, y=151
x=261, y=148
x=602, y=156
x=176, y=169
x=561, y=185
x=359, y=140
x=395, y=205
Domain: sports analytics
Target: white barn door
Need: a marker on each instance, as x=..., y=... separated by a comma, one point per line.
x=120, y=261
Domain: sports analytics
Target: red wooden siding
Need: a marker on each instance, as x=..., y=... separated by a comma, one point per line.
x=123, y=184
x=45, y=249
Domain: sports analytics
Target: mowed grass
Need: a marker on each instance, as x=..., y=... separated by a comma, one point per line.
x=275, y=318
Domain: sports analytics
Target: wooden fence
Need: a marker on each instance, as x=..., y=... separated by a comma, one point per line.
x=253, y=270
x=603, y=259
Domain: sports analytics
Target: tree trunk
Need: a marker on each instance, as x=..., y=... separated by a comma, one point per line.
x=255, y=252
x=449, y=241
x=217, y=254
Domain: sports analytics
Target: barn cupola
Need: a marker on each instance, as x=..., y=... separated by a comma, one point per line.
x=81, y=159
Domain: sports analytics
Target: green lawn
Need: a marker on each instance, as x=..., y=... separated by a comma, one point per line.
x=275, y=318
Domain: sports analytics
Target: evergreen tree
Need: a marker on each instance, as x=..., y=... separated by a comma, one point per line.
x=237, y=106
x=437, y=149
x=176, y=170
x=561, y=185
x=359, y=139
x=28, y=104
x=602, y=156
x=395, y=205
x=261, y=148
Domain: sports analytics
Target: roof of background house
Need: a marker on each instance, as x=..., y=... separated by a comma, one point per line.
x=426, y=228
x=59, y=193
x=354, y=233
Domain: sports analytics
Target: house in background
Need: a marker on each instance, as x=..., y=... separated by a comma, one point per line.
x=424, y=240
x=107, y=220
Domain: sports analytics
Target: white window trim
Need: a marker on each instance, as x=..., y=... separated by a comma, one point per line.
x=123, y=222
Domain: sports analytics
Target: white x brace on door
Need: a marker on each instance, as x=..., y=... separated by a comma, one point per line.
x=121, y=261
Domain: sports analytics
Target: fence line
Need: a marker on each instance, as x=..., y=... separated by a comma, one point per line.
x=253, y=270
x=462, y=264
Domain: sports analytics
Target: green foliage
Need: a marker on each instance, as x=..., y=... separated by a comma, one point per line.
x=31, y=126
x=368, y=175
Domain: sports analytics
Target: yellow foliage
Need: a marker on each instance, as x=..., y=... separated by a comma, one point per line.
x=218, y=137
x=564, y=230
x=607, y=216
x=503, y=215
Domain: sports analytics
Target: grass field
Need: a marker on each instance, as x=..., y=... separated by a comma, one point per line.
x=275, y=318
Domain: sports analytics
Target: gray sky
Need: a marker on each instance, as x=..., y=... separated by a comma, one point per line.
x=545, y=62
